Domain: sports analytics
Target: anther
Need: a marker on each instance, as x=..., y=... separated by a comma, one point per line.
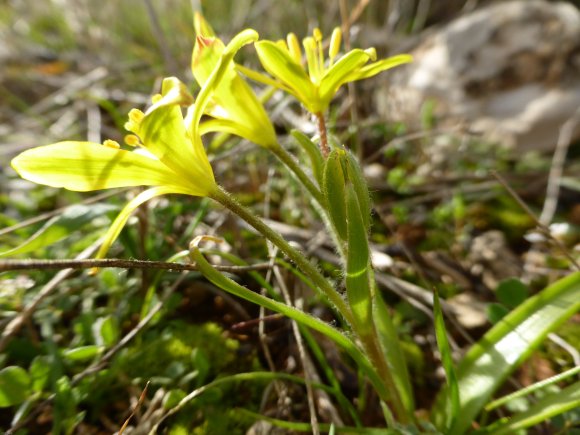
x=111, y=144
x=294, y=47
x=132, y=140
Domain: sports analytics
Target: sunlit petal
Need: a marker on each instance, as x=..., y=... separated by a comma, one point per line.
x=164, y=134
x=280, y=64
x=120, y=221
x=379, y=66
x=237, y=101
x=86, y=166
x=337, y=75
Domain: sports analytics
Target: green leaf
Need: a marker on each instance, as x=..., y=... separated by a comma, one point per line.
x=333, y=188
x=305, y=319
x=491, y=360
x=496, y=312
x=201, y=363
x=566, y=400
x=512, y=292
x=106, y=331
x=358, y=262
x=390, y=345
x=452, y=407
x=59, y=227
x=82, y=353
x=86, y=166
x=544, y=383
x=356, y=177
x=313, y=152
x=14, y=386
x=40, y=370
x=172, y=398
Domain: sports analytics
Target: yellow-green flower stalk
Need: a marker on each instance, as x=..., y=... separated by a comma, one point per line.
x=316, y=84
x=168, y=155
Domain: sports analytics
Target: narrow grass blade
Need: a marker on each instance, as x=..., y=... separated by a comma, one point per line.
x=550, y=406
x=534, y=387
x=303, y=318
x=317, y=352
x=490, y=361
x=389, y=342
x=452, y=406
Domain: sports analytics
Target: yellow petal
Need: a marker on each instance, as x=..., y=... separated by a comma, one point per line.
x=336, y=75
x=234, y=100
x=164, y=134
x=380, y=66
x=120, y=221
x=282, y=66
x=86, y=166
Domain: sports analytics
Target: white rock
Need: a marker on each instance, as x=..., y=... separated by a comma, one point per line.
x=510, y=71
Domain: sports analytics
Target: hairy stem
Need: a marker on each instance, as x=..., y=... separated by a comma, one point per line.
x=225, y=199
x=323, y=134
x=286, y=158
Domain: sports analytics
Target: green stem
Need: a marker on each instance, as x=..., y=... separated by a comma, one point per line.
x=225, y=199
x=286, y=158
x=377, y=358
x=323, y=134
x=388, y=394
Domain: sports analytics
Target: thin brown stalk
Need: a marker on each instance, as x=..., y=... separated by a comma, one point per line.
x=7, y=265
x=323, y=134
x=543, y=228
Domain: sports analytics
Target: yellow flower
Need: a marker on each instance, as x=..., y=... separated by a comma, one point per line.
x=317, y=86
x=233, y=107
x=169, y=154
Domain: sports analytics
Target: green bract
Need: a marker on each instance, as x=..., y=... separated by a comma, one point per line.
x=316, y=88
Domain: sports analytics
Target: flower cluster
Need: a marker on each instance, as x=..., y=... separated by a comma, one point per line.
x=165, y=149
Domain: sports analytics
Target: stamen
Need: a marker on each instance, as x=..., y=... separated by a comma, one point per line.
x=111, y=144
x=294, y=47
x=317, y=34
x=318, y=38
x=311, y=59
x=136, y=116
x=132, y=140
x=335, y=41
x=134, y=122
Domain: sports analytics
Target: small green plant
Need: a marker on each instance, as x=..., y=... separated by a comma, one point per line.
x=165, y=152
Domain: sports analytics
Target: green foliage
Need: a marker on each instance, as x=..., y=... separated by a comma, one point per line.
x=14, y=386
x=180, y=354
x=510, y=293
